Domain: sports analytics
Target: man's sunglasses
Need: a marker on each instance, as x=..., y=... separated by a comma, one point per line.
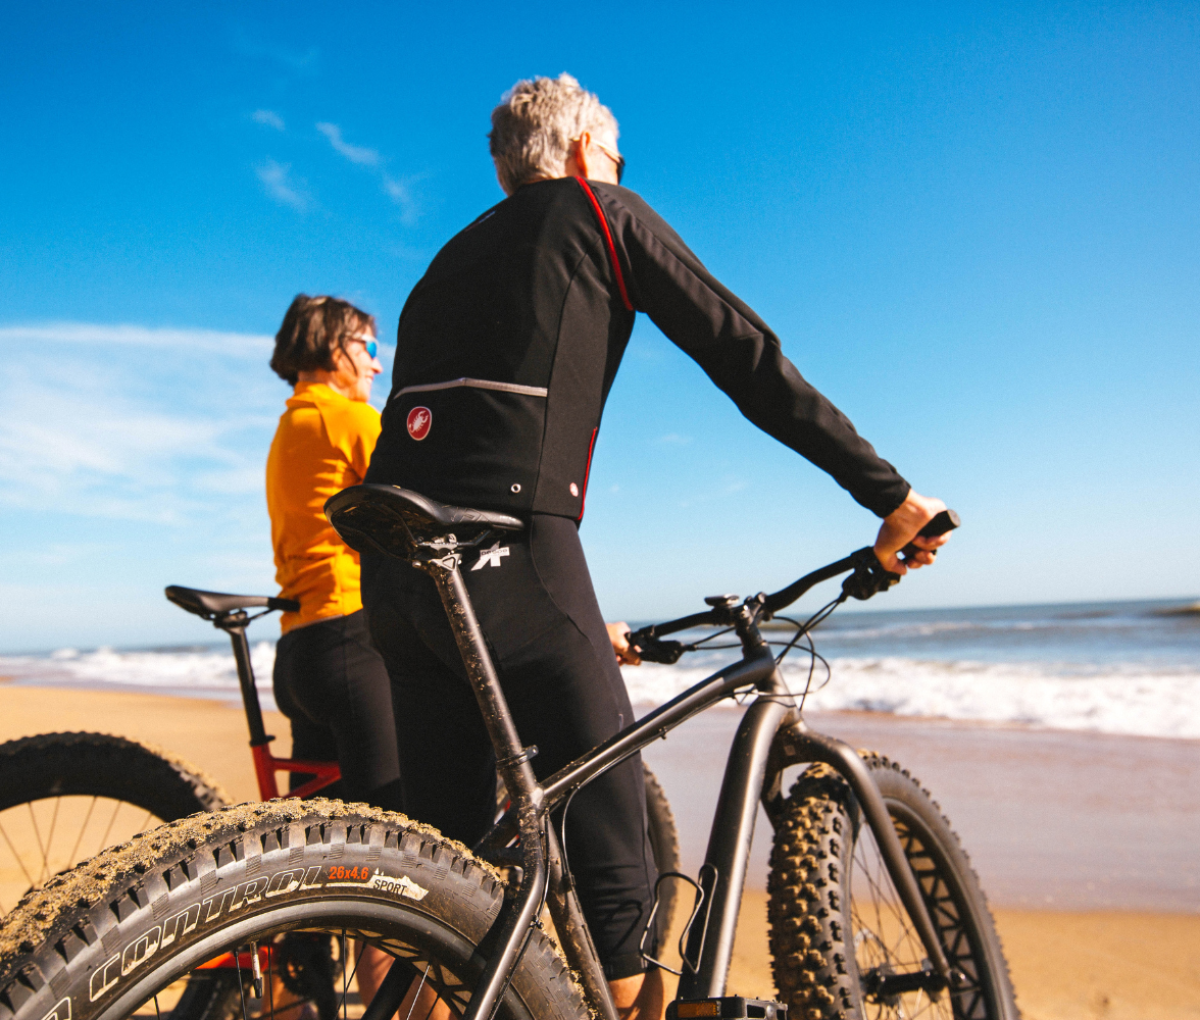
x=371, y=346
x=616, y=157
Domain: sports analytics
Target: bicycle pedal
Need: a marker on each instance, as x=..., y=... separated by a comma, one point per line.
x=729, y=1007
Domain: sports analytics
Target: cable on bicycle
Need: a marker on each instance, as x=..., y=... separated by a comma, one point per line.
x=568, y=881
x=804, y=630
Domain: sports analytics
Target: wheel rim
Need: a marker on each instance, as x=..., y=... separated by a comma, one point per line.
x=39, y=838
x=885, y=941
x=443, y=964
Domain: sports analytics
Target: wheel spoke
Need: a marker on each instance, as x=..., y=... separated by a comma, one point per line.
x=37, y=832
x=50, y=838
x=16, y=856
x=111, y=822
x=270, y=979
x=78, y=839
x=417, y=994
x=237, y=959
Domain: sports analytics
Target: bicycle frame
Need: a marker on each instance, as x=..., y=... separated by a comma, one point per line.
x=771, y=737
x=266, y=765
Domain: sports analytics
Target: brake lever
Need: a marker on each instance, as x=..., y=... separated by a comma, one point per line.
x=653, y=649
x=869, y=577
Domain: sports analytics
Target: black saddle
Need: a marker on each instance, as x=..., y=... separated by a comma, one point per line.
x=210, y=604
x=393, y=521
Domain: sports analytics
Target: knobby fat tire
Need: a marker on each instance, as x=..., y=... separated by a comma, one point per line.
x=814, y=912
x=56, y=765
x=98, y=941
x=53, y=765
x=664, y=842
x=96, y=764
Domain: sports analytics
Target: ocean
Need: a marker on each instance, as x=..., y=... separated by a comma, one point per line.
x=1113, y=667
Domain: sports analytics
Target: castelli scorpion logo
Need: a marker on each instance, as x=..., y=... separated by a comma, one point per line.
x=420, y=419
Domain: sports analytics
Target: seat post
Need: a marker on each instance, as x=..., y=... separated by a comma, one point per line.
x=512, y=762
x=234, y=625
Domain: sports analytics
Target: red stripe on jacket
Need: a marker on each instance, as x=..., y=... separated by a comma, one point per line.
x=612, y=248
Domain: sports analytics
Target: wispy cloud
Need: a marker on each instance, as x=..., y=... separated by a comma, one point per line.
x=174, y=438
x=304, y=61
x=673, y=439
x=730, y=485
x=269, y=118
x=355, y=153
x=237, y=344
x=400, y=192
x=398, y=189
x=279, y=183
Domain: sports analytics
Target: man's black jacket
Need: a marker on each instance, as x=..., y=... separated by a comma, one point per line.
x=508, y=346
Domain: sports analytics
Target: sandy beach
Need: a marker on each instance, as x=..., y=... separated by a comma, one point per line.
x=1086, y=844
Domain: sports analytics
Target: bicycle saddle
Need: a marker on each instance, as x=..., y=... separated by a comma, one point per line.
x=388, y=519
x=212, y=603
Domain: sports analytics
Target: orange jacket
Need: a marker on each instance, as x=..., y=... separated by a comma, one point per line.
x=323, y=444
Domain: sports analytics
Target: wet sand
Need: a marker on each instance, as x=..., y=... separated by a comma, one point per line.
x=1050, y=818
x=1086, y=844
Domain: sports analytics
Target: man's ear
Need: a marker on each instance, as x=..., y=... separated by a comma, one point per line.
x=577, y=156
x=584, y=143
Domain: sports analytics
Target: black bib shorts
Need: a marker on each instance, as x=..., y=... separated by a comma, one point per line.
x=533, y=596
x=332, y=685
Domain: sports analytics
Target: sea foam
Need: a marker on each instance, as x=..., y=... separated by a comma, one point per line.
x=1130, y=698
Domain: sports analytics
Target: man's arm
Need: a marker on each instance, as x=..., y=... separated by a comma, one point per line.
x=740, y=354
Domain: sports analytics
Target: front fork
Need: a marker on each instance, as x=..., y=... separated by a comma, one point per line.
x=795, y=744
x=771, y=736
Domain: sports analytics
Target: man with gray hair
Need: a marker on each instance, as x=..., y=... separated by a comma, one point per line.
x=506, y=351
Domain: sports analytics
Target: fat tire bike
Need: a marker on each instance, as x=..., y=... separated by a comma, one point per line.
x=874, y=909
x=65, y=797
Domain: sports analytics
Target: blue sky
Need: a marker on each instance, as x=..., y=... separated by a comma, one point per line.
x=977, y=230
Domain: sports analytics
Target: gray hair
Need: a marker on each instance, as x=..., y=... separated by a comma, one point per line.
x=535, y=124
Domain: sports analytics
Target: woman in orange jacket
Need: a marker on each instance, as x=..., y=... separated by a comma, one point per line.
x=329, y=680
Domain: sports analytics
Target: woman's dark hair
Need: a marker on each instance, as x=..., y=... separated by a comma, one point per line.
x=311, y=330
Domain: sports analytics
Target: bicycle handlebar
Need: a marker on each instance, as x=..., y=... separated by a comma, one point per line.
x=947, y=520
x=869, y=579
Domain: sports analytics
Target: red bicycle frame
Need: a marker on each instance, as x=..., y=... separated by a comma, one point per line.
x=266, y=765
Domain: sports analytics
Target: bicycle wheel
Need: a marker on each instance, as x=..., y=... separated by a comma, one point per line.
x=838, y=929
x=111, y=938
x=664, y=842
x=64, y=797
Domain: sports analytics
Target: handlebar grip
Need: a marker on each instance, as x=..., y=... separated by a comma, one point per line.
x=947, y=520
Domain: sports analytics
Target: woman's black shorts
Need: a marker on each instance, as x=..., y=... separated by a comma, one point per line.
x=333, y=687
x=534, y=600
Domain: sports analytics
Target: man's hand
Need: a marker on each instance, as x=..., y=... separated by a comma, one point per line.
x=901, y=526
x=627, y=654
